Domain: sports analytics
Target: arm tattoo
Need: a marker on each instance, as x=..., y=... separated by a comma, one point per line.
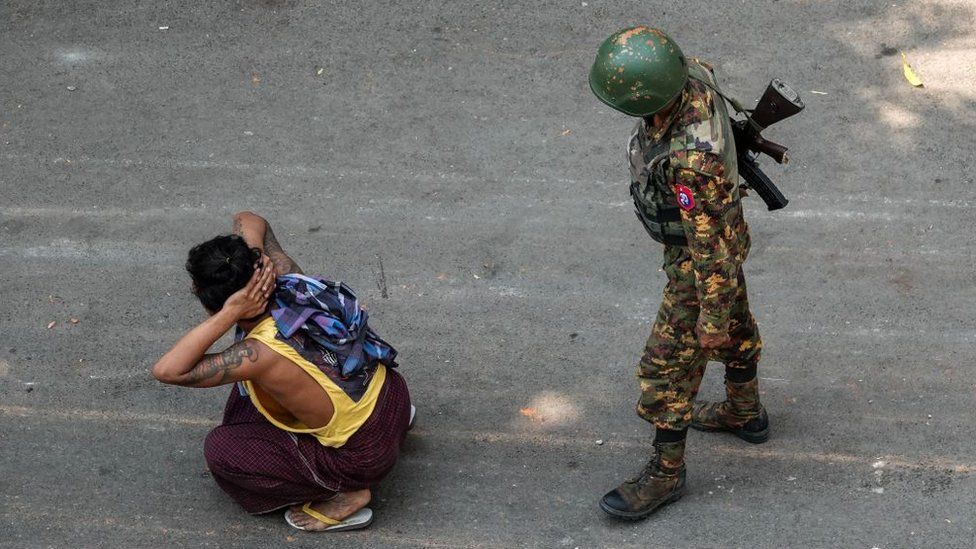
x=281, y=260
x=229, y=359
x=238, y=226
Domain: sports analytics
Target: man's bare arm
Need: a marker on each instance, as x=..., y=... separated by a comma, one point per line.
x=188, y=366
x=235, y=363
x=282, y=262
x=257, y=232
x=186, y=362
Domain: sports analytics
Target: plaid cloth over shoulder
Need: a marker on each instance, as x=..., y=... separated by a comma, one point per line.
x=330, y=314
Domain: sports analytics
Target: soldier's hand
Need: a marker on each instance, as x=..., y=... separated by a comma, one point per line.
x=713, y=341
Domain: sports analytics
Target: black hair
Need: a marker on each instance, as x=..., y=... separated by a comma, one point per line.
x=219, y=267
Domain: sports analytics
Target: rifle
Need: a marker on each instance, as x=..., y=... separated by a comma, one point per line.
x=779, y=102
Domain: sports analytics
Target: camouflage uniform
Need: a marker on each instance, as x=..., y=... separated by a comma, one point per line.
x=684, y=176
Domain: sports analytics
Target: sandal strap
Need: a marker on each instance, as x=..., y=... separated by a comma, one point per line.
x=307, y=509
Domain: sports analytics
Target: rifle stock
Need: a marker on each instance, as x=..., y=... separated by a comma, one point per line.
x=778, y=102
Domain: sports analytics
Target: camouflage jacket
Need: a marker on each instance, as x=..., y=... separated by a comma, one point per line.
x=699, y=175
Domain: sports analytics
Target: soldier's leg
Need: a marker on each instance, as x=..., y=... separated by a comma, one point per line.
x=741, y=413
x=744, y=350
x=670, y=372
x=671, y=368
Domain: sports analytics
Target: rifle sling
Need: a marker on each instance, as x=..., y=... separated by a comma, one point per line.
x=736, y=106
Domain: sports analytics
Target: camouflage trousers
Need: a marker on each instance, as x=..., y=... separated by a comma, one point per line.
x=671, y=369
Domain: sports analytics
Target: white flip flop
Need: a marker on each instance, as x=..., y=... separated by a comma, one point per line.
x=413, y=416
x=357, y=521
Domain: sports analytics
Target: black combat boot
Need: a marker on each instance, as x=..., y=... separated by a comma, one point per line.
x=741, y=414
x=661, y=482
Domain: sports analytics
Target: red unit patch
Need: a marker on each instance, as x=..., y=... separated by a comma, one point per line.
x=686, y=200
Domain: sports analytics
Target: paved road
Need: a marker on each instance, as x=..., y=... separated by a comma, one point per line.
x=448, y=160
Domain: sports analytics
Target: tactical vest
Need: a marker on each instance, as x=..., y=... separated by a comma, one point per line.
x=652, y=165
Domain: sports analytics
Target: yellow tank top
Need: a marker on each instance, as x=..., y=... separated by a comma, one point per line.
x=349, y=414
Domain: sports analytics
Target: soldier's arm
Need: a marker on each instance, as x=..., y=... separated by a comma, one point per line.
x=256, y=231
x=708, y=217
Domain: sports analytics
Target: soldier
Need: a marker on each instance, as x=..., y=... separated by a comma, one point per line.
x=684, y=184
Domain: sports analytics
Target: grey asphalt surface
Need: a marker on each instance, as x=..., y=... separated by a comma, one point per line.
x=448, y=161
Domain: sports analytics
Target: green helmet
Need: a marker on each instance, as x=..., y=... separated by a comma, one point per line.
x=638, y=71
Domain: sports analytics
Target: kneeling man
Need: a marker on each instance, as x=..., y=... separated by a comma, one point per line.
x=317, y=413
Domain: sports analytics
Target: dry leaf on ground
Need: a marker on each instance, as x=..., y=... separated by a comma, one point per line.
x=909, y=72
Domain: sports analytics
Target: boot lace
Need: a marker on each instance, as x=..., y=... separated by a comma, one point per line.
x=651, y=469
